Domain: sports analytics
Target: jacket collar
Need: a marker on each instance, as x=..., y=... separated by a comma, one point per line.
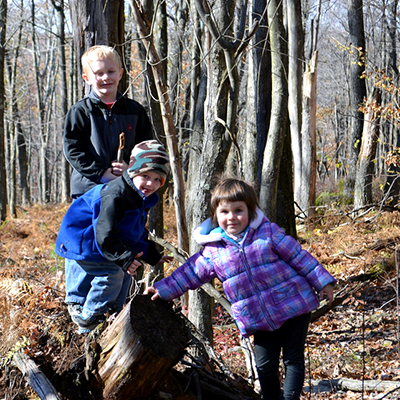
x=206, y=233
x=93, y=96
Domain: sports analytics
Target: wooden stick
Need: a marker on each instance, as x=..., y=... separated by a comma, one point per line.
x=35, y=377
x=206, y=287
x=120, y=155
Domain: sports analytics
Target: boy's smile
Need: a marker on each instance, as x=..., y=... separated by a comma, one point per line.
x=232, y=217
x=147, y=182
x=104, y=77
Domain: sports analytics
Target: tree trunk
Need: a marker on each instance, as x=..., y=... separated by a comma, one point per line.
x=156, y=219
x=169, y=128
x=144, y=342
x=220, y=132
x=65, y=175
x=43, y=165
x=296, y=56
x=365, y=168
x=3, y=179
x=285, y=216
x=279, y=118
x=358, y=91
x=97, y=22
x=309, y=140
x=11, y=150
x=258, y=96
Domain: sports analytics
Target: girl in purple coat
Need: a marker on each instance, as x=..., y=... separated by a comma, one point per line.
x=270, y=280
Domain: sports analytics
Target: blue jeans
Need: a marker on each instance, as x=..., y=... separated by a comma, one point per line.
x=290, y=338
x=97, y=287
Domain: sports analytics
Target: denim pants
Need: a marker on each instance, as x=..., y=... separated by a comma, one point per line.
x=290, y=338
x=97, y=287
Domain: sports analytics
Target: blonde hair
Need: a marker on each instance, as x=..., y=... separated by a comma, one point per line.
x=231, y=190
x=99, y=52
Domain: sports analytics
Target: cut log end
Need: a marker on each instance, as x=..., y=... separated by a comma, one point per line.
x=145, y=341
x=157, y=327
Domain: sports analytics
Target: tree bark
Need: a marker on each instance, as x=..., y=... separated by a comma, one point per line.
x=369, y=142
x=358, y=92
x=97, y=22
x=3, y=179
x=143, y=343
x=35, y=377
x=295, y=84
x=328, y=385
x=220, y=132
x=43, y=162
x=279, y=114
x=169, y=128
x=258, y=96
x=65, y=175
x=309, y=140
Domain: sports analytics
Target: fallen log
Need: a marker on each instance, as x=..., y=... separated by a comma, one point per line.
x=327, y=385
x=143, y=343
x=35, y=377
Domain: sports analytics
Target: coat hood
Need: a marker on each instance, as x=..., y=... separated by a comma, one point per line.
x=206, y=233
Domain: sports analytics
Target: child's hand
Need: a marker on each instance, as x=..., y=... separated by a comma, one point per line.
x=135, y=265
x=328, y=292
x=118, y=168
x=153, y=290
x=164, y=259
x=108, y=176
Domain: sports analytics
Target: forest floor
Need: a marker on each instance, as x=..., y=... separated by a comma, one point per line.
x=358, y=340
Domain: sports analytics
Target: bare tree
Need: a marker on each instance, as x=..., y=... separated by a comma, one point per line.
x=279, y=112
x=97, y=22
x=3, y=184
x=258, y=104
x=365, y=167
x=358, y=91
x=295, y=84
x=65, y=175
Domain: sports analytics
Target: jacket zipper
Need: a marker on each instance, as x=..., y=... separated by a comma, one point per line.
x=254, y=284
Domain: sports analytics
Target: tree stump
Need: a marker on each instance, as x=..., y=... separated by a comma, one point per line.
x=143, y=343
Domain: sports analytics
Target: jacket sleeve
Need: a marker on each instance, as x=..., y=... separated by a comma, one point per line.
x=290, y=250
x=196, y=271
x=78, y=149
x=110, y=242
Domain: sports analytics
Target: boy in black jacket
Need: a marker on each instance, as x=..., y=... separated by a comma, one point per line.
x=93, y=124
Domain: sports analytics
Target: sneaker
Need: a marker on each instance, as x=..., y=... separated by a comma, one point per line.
x=85, y=324
x=88, y=324
x=74, y=309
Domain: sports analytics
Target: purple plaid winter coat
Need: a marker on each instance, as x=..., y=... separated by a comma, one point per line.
x=268, y=279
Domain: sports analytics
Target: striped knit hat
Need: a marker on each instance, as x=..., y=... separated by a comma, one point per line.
x=149, y=156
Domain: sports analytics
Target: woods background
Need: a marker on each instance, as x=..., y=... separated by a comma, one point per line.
x=282, y=93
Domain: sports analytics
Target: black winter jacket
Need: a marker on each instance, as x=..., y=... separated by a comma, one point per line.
x=91, y=137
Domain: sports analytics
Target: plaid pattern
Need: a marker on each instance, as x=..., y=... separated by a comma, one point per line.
x=149, y=156
x=268, y=279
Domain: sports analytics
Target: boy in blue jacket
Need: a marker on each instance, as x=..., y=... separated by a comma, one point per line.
x=103, y=235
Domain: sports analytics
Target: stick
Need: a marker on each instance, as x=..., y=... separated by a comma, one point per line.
x=35, y=377
x=120, y=155
x=206, y=287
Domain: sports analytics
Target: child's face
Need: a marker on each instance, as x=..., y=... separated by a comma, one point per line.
x=232, y=217
x=148, y=182
x=104, y=76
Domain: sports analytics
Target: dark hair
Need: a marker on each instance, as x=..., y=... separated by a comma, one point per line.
x=231, y=189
